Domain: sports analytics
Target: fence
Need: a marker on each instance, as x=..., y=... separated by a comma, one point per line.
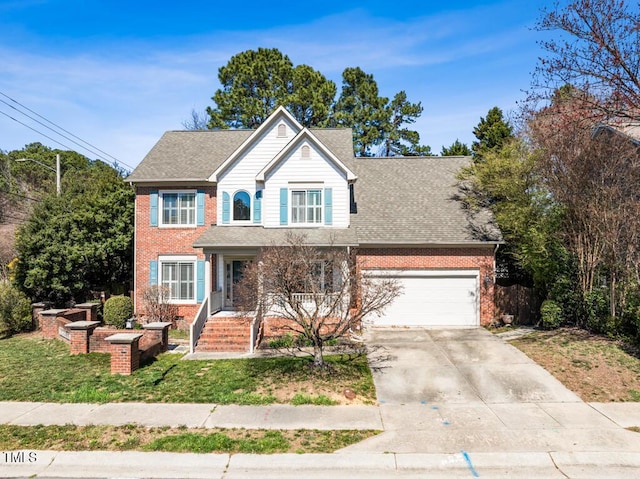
x=520, y=301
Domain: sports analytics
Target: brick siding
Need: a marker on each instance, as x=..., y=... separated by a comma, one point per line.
x=153, y=241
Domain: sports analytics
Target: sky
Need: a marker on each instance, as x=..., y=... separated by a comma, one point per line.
x=118, y=74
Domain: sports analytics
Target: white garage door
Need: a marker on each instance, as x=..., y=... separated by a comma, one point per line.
x=432, y=298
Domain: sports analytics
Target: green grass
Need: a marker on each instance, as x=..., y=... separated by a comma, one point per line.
x=321, y=400
x=178, y=334
x=35, y=369
x=140, y=438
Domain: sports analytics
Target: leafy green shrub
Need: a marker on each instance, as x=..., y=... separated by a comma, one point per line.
x=551, y=314
x=15, y=310
x=117, y=309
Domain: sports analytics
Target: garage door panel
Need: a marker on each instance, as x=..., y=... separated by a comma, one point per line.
x=434, y=301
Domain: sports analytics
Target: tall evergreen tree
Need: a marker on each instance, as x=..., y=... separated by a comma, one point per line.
x=311, y=97
x=457, y=148
x=254, y=84
x=360, y=108
x=492, y=132
x=399, y=140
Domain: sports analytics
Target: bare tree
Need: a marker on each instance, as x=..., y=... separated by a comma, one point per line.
x=197, y=121
x=319, y=294
x=157, y=307
x=595, y=48
x=592, y=173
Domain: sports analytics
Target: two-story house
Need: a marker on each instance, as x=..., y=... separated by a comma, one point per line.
x=206, y=201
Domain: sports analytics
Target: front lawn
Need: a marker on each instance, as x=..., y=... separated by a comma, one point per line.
x=37, y=369
x=597, y=369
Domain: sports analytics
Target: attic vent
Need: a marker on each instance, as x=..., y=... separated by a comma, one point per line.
x=306, y=152
x=282, y=130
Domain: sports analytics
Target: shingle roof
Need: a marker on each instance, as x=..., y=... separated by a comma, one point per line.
x=399, y=200
x=188, y=155
x=413, y=201
x=243, y=236
x=195, y=155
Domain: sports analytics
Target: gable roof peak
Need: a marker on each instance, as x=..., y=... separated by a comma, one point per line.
x=279, y=112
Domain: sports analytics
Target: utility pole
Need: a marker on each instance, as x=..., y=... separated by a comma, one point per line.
x=57, y=170
x=58, y=183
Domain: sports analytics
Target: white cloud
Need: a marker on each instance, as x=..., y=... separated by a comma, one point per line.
x=121, y=97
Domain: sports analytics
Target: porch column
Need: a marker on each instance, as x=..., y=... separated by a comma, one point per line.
x=220, y=272
x=207, y=280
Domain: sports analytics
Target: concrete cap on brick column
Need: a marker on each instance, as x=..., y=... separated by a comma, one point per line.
x=87, y=305
x=82, y=325
x=52, y=312
x=123, y=338
x=156, y=325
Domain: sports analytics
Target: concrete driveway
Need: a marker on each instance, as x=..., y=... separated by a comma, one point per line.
x=463, y=366
x=452, y=390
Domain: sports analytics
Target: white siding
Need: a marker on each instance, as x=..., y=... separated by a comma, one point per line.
x=241, y=174
x=313, y=170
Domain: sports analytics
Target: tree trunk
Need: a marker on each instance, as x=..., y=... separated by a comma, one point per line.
x=318, y=358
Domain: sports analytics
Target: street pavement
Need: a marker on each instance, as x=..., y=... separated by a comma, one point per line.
x=452, y=403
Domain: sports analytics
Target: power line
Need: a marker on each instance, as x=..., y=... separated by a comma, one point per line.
x=52, y=139
x=56, y=125
x=61, y=128
x=38, y=132
x=49, y=128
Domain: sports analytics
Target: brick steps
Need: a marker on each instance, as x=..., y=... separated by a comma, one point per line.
x=225, y=335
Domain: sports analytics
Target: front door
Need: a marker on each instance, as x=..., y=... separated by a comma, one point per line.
x=234, y=269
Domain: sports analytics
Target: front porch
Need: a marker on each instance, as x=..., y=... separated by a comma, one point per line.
x=223, y=330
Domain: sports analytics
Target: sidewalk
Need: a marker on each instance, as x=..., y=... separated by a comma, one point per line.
x=277, y=416
x=554, y=440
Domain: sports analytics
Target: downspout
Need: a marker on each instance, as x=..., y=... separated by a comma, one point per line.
x=135, y=244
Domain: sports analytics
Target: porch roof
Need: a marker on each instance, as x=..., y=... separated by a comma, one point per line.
x=256, y=236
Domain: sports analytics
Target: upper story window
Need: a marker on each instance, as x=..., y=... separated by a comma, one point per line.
x=282, y=130
x=241, y=206
x=306, y=206
x=178, y=208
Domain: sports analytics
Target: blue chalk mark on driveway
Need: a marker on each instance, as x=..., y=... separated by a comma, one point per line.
x=474, y=473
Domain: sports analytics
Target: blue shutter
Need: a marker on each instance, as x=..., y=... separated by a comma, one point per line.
x=328, y=206
x=200, y=282
x=153, y=273
x=153, y=207
x=226, y=207
x=200, y=208
x=257, y=207
x=284, y=195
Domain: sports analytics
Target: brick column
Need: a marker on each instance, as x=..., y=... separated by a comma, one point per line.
x=36, y=309
x=48, y=324
x=125, y=354
x=158, y=332
x=91, y=310
x=80, y=332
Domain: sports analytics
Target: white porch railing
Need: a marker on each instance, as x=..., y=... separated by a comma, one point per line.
x=215, y=302
x=198, y=325
x=321, y=299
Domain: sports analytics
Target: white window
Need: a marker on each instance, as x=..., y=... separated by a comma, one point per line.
x=178, y=276
x=306, y=206
x=178, y=208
